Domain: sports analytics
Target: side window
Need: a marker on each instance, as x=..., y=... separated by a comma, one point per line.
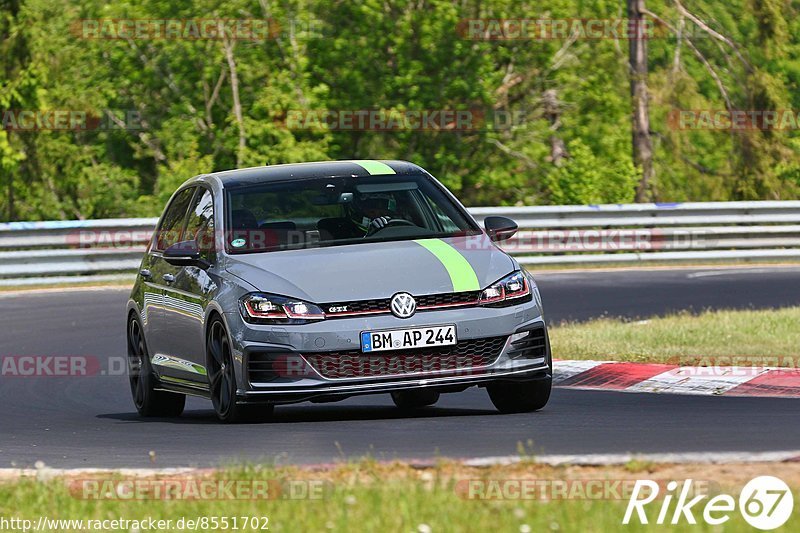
x=169, y=232
x=445, y=221
x=200, y=225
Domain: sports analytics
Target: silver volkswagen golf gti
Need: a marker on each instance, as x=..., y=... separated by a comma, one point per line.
x=321, y=281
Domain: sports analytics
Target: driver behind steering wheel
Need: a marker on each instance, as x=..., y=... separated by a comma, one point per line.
x=376, y=212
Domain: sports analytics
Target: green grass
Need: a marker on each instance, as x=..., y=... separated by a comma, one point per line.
x=770, y=337
x=359, y=498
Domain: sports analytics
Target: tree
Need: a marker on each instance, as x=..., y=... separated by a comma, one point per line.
x=566, y=119
x=641, y=143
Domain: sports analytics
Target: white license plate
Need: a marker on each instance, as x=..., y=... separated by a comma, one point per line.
x=402, y=339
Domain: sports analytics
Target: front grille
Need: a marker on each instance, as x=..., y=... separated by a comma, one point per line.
x=531, y=346
x=453, y=298
x=464, y=356
x=360, y=306
x=381, y=305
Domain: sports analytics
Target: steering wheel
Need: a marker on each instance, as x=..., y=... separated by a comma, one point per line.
x=393, y=222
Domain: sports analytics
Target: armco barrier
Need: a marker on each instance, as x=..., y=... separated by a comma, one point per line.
x=58, y=251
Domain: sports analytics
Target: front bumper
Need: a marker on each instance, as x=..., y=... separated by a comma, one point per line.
x=253, y=341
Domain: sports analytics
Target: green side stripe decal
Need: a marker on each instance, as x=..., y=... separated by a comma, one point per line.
x=461, y=272
x=375, y=168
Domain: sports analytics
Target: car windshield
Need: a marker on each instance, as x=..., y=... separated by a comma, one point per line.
x=305, y=213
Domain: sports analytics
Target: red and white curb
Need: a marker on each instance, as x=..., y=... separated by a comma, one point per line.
x=676, y=379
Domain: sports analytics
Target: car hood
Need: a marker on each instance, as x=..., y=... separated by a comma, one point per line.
x=375, y=270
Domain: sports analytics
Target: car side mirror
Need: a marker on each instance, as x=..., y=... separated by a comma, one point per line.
x=185, y=253
x=499, y=228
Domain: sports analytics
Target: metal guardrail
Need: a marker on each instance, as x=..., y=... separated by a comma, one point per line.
x=673, y=214
x=57, y=251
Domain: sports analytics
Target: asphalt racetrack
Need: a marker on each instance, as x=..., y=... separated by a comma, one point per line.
x=91, y=422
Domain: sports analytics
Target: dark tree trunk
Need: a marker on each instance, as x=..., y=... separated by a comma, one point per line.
x=642, y=144
x=552, y=112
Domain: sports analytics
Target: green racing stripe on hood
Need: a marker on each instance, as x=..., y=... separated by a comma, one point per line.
x=375, y=168
x=461, y=272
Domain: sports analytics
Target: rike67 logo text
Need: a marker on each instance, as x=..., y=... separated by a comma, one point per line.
x=765, y=503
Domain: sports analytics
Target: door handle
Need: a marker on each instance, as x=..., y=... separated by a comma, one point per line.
x=145, y=273
x=169, y=278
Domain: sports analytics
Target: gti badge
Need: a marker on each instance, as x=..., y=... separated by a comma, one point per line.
x=403, y=305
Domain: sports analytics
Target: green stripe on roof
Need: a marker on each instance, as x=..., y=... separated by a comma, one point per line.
x=461, y=272
x=375, y=168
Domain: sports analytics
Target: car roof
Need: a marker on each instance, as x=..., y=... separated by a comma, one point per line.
x=317, y=169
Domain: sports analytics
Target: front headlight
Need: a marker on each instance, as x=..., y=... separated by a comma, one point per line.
x=260, y=308
x=510, y=290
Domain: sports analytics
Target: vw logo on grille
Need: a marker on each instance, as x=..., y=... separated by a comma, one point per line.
x=403, y=305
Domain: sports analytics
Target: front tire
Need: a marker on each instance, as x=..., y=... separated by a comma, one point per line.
x=409, y=400
x=521, y=397
x=148, y=401
x=222, y=380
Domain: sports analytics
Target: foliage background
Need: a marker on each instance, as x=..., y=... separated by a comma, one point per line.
x=392, y=55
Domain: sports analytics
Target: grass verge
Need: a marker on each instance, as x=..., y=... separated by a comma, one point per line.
x=369, y=496
x=764, y=337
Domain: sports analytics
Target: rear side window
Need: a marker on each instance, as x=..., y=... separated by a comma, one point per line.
x=172, y=222
x=200, y=224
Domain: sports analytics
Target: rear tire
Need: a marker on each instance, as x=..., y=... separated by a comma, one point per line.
x=148, y=401
x=222, y=381
x=414, y=399
x=522, y=397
